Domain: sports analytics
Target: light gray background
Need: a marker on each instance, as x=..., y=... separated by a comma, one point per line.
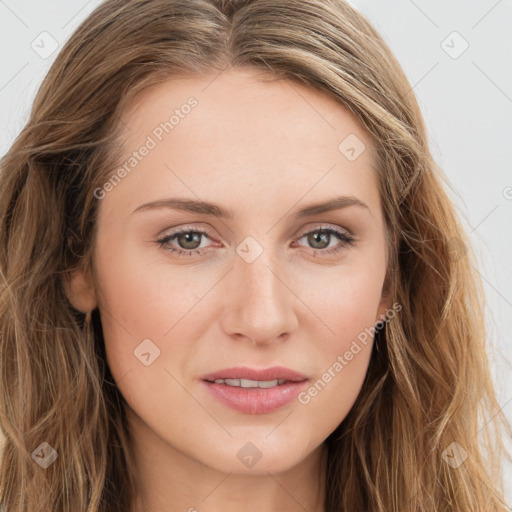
x=466, y=98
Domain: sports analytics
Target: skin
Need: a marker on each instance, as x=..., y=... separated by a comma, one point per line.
x=263, y=150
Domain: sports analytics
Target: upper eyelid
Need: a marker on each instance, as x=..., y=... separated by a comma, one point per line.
x=323, y=225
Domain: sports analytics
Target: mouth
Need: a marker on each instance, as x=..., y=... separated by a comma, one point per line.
x=251, y=384
x=252, y=391
x=244, y=375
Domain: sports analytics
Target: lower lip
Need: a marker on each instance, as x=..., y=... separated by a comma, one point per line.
x=256, y=401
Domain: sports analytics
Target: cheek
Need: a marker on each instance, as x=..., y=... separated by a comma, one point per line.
x=346, y=304
x=143, y=300
x=150, y=320
x=345, y=300
x=144, y=297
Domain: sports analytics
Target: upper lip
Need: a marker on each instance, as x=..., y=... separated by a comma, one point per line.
x=243, y=372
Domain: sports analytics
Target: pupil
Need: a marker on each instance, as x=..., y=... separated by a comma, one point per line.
x=320, y=236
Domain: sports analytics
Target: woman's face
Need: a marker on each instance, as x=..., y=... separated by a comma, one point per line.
x=252, y=283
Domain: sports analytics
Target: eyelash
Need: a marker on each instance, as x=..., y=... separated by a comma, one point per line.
x=345, y=239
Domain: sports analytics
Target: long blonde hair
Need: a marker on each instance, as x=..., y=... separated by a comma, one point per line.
x=428, y=384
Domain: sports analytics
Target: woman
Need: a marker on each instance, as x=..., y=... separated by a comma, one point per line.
x=231, y=276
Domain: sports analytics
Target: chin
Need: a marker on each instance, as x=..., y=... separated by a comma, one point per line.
x=256, y=455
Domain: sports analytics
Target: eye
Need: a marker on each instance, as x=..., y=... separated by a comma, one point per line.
x=188, y=240
x=321, y=238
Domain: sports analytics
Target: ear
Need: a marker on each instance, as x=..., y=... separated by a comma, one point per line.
x=386, y=303
x=385, y=300
x=79, y=289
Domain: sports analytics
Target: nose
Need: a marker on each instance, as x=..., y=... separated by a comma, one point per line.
x=260, y=304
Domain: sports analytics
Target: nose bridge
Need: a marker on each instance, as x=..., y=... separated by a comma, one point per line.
x=261, y=305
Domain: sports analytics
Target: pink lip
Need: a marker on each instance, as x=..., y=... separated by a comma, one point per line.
x=256, y=400
x=243, y=372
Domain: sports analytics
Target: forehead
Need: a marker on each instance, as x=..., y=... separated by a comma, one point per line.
x=247, y=99
x=241, y=129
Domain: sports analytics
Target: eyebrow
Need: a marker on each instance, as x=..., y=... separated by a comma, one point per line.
x=207, y=208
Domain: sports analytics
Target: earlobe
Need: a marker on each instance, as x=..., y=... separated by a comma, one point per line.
x=79, y=290
x=384, y=307
x=385, y=302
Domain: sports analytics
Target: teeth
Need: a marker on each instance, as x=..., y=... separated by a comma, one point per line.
x=246, y=383
x=266, y=383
